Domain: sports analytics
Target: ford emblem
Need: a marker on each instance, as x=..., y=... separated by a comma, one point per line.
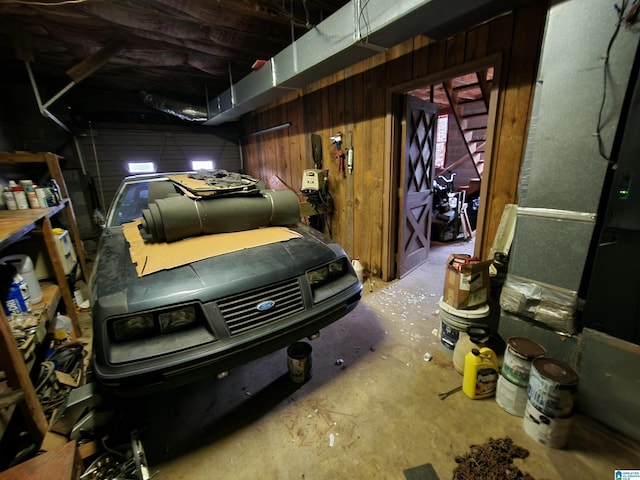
x=266, y=305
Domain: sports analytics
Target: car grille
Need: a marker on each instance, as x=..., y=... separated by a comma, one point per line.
x=240, y=312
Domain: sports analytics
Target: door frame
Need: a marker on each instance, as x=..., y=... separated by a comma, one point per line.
x=393, y=159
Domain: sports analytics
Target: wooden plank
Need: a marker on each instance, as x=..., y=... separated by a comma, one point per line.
x=437, y=57
x=523, y=52
x=65, y=291
x=61, y=463
x=94, y=62
x=477, y=42
x=12, y=362
x=455, y=51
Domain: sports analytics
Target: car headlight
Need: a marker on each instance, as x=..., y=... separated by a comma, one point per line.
x=159, y=322
x=326, y=273
x=318, y=276
x=131, y=328
x=177, y=319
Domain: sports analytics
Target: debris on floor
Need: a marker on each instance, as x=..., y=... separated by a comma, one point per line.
x=493, y=460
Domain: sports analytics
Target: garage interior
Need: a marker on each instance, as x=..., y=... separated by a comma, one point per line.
x=540, y=101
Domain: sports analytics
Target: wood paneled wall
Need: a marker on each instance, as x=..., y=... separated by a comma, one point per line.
x=358, y=99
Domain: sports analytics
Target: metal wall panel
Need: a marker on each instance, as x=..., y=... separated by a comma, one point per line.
x=566, y=171
x=550, y=250
x=562, y=169
x=170, y=151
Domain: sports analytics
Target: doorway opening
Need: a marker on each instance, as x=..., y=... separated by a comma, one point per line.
x=451, y=134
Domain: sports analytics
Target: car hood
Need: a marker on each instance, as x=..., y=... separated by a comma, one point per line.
x=119, y=289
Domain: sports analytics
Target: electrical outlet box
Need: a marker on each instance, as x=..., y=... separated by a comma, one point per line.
x=314, y=180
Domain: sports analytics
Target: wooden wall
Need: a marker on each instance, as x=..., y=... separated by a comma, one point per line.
x=358, y=99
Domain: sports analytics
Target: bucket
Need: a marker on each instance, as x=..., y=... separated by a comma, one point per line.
x=454, y=321
x=518, y=356
x=510, y=397
x=549, y=431
x=299, y=362
x=24, y=266
x=552, y=387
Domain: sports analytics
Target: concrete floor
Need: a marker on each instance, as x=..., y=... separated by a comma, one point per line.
x=370, y=411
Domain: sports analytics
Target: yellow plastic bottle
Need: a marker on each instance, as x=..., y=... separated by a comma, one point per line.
x=481, y=371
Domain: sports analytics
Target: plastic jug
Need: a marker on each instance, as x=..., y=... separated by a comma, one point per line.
x=63, y=333
x=473, y=337
x=481, y=372
x=24, y=267
x=17, y=300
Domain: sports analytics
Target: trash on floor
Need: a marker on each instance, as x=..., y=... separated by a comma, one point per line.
x=494, y=459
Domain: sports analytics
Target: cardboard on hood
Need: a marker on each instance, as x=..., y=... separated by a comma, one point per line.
x=153, y=257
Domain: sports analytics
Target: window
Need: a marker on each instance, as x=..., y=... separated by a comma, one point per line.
x=141, y=167
x=441, y=140
x=202, y=164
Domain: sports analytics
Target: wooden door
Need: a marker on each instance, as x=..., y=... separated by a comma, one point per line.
x=416, y=179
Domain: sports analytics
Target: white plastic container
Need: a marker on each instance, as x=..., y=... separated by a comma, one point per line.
x=63, y=333
x=24, y=266
x=357, y=266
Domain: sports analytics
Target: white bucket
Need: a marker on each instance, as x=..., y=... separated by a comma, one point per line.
x=454, y=321
x=24, y=266
x=510, y=397
x=549, y=431
x=518, y=356
x=552, y=387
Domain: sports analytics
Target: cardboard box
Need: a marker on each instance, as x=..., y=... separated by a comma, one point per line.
x=466, y=282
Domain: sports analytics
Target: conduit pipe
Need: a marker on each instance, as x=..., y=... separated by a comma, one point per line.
x=357, y=31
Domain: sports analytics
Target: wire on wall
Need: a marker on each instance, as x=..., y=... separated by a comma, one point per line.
x=622, y=18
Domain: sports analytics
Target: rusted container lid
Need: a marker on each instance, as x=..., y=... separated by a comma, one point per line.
x=556, y=371
x=526, y=348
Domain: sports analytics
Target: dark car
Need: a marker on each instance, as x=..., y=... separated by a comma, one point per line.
x=206, y=316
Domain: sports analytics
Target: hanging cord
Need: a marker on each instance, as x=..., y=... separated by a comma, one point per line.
x=621, y=18
x=95, y=157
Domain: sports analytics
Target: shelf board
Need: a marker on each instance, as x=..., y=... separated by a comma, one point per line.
x=15, y=224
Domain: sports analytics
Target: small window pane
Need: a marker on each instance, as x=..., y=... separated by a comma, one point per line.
x=141, y=167
x=202, y=164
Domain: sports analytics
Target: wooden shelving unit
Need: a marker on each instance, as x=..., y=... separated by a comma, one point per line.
x=15, y=225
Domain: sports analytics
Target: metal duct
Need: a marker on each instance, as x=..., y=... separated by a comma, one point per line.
x=177, y=217
x=182, y=110
x=357, y=31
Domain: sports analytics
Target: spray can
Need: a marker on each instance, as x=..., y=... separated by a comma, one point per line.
x=481, y=371
x=9, y=199
x=20, y=196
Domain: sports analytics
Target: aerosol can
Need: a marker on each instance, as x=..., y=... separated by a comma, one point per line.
x=481, y=371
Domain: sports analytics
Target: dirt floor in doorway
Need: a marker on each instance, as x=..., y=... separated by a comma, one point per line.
x=371, y=409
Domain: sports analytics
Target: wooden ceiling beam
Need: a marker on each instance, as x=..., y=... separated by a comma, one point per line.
x=89, y=65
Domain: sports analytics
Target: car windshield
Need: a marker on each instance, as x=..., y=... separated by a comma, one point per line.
x=132, y=199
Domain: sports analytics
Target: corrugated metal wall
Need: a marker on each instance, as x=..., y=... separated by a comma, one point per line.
x=106, y=154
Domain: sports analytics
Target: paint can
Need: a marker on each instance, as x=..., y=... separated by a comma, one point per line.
x=299, y=362
x=549, y=431
x=454, y=321
x=552, y=387
x=510, y=397
x=518, y=356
